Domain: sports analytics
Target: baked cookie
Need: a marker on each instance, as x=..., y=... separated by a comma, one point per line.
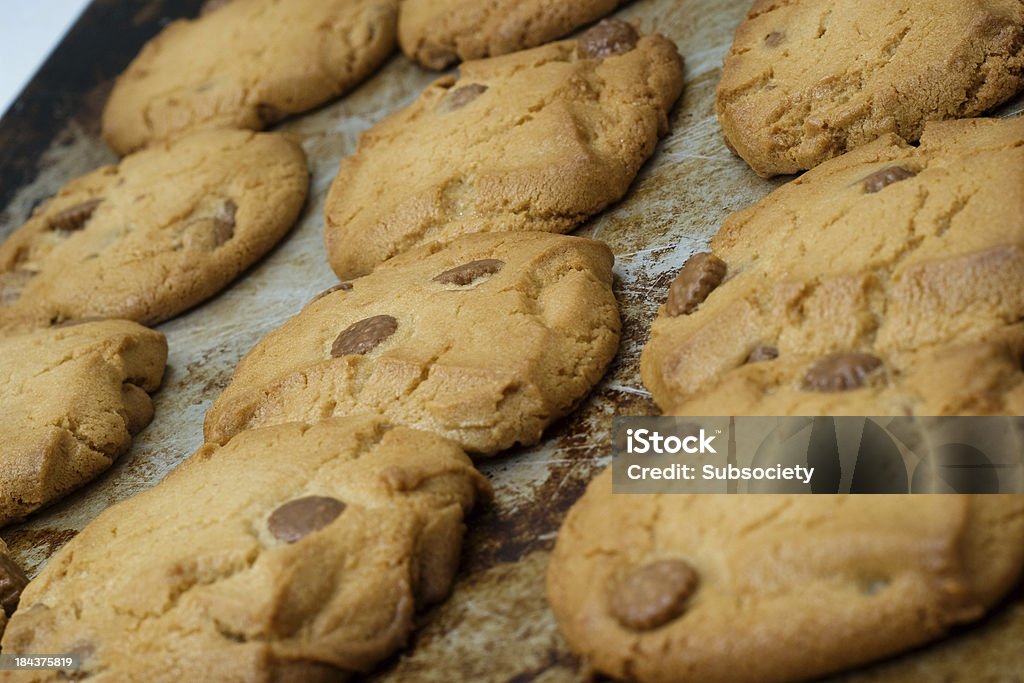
x=71, y=398
x=772, y=589
x=247, y=64
x=537, y=140
x=438, y=33
x=988, y=652
x=806, y=81
x=861, y=288
x=485, y=341
x=157, y=234
x=291, y=554
x=12, y=582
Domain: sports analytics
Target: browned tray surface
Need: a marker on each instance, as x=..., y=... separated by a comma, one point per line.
x=496, y=626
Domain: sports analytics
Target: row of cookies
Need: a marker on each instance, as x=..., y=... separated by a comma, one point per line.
x=435, y=367
x=884, y=282
x=139, y=242
x=299, y=55
x=271, y=542
x=887, y=281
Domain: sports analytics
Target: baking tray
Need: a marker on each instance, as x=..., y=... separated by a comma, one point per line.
x=496, y=626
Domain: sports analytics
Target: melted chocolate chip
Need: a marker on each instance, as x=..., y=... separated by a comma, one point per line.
x=700, y=275
x=774, y=39
x=364, y=336
x=298, y=518
x=74, y=217
x=879, y=180
x=224, y=223
x=763, y=353
x=463, y=95
x=608, y=38
x=340, y=287
x=654, y=594
x=12, y=582
x=468, y=273
x=841, y=372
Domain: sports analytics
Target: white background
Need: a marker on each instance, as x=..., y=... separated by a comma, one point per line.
x=29, y=30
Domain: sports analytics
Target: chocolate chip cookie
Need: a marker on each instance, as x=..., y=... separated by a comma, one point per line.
x=485, y=341
x=438, y=33
x=157, y=234
x=291, y=554
x=247, y=64
x=884, y=282
x=807, y=81
x=536, y=140
x=71, y=398
x=773, y=589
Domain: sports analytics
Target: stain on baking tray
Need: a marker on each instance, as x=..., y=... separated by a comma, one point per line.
x=205, y=372
x=42, y=544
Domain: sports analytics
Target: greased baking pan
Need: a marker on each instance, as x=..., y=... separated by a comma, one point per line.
x=496, y=626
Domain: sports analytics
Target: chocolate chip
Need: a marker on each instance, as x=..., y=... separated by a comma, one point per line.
x=654, y=594
x=12, y=582
x=298, y=518
x=875, y=586
x=841, y=372
x=364, y=336
x=879, y=180
x=468, y=273
x=463, y=95
x=12, y=283
x=74, y=217
x=340, y=287
x=610, y=37
x=224, y=223
x=763, y=353
x=700, y=275
x=774, y=39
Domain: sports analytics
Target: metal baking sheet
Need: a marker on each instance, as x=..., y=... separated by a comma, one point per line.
x=496, y=626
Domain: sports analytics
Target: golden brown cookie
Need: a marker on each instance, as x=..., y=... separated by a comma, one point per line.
x=486, y=341
x=438, y=33
x=988, y=652
x=247, y=64
x=157, y=234
x=773, y=588
x=71, y=399
x=884, y=282
x=291, y=554
x=536, y=140
x=806, y=81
